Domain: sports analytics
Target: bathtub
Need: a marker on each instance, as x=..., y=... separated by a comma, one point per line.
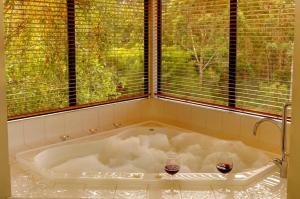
x=137, y=154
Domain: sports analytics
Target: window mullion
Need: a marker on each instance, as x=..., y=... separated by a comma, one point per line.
x=232, y=53
x=146, y=46
x=159, y=38
x=71, y=52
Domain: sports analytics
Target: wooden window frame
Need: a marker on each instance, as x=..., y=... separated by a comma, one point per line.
x=71, y=52
x=72, y=95
x=232, y=58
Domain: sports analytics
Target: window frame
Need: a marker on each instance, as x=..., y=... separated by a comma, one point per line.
x=71, y=25
x=232, y=65
x=71, y=54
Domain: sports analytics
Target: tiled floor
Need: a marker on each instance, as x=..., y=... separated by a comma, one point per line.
x=26, y=185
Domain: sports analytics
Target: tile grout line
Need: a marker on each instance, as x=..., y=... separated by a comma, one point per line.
x=148, y=192
x=115, y=191
x=84, y=188
x=213, y=191
x=180, y=194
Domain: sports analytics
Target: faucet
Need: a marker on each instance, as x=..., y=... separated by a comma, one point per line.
x=282, y=163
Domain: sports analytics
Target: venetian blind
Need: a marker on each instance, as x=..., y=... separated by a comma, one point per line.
x=235, y=54
x=111, y=40
x=194, y=50
x=265, y=42
x=65, y=54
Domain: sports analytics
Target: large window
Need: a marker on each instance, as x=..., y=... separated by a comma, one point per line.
x=63, y=54
x=229, y=53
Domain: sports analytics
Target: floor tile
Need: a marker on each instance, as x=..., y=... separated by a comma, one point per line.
x=99, y=192
x=27, y=185
x=230, y=193
x=188, y=192
x=271, y=186
x=169, y=191
x=130, y=192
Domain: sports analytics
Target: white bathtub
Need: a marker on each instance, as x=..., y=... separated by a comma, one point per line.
x=137, y=154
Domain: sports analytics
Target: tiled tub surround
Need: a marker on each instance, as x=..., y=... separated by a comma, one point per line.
x=28, y=184
x=136, y=154
x=39, y=131
x=35, y=132
x=219, y=123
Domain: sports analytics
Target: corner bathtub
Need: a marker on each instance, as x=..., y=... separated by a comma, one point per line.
x=137, y=153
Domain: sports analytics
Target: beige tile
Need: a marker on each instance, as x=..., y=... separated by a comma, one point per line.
x=184, y=116
x=152, y=109
x=90, y=120
x=147, y=104
x=133, y=112
x=231, y=124
x=54, y=127
x=167, y=111
x=224, y=192
x=105, y=117
x=198, y=117
x=74, y=124
x=68, y=191
x=144, y=107
x=156, y=110
x=129, y=192
x=15, y=138
x=41, y=190
x=119, y=111
x=22, y=183
x=140, y=110
x=214, y=121
x=166, y=191
x=34, y=132
x=280, y=196
x=178, y=114
x=99, y=192
x=196, y=192
x=270, y=186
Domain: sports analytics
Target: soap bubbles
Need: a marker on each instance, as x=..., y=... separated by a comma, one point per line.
x=147, y=153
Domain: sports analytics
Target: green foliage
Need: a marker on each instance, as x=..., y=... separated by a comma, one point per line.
x=110, y=54
x=195, y=52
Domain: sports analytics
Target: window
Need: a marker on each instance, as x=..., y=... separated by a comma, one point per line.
x=265, y=54
x=36, y=55
x=110, y=49
x=65, y=54
x=234, y=54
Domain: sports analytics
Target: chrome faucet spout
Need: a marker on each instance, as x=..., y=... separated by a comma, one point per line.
x=257, y=124
x=282, y=163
